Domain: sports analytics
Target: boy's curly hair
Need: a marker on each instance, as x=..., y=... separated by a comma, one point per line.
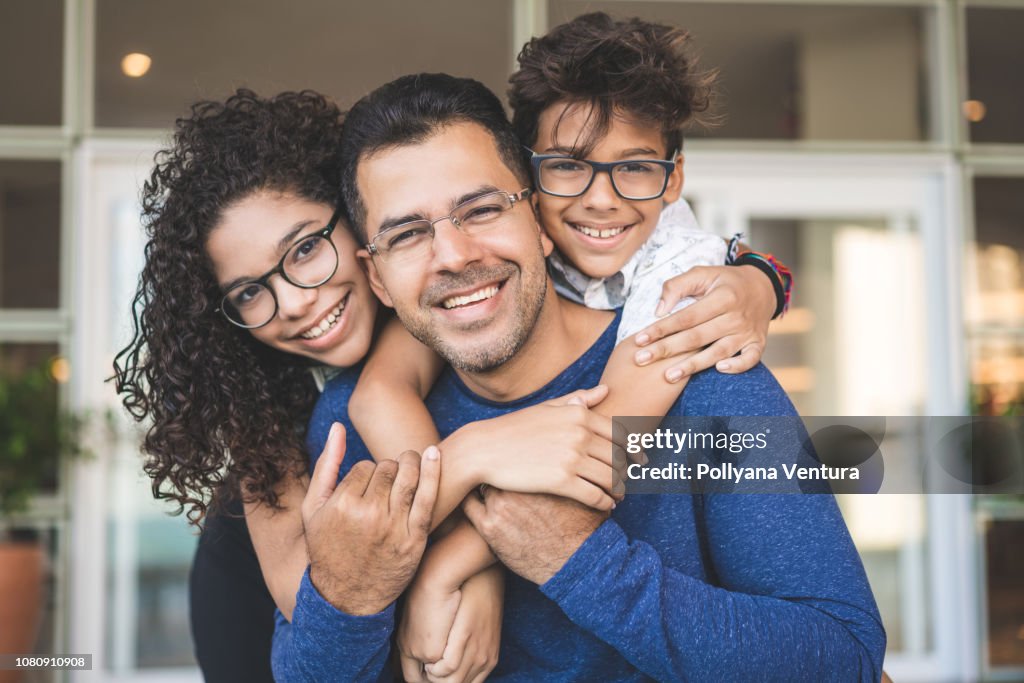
x=223, y=408
x=630, y=66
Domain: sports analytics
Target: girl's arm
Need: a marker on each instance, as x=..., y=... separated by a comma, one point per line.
x=279, y=541
x=436, y=593
x=387, y=406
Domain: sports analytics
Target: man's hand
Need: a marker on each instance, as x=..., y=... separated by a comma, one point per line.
x=532, y=534
x=366, y=534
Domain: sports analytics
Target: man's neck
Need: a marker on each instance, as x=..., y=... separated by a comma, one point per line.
x=563, y=332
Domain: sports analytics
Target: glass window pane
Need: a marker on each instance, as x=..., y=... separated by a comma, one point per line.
x=150, y=554
x=31, y=60
x=890, y=534
x=1004, y=597
x=205, y=49
x=29, y=234
x=995, y=74
x=28, y=426
x=822, y=351
x=995, y=296
x=800, y=72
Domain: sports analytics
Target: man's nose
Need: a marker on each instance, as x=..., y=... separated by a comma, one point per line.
x=454, y=249
x=601, y=195
x=292, y=302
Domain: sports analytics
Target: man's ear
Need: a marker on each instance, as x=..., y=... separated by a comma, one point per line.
x=373, y=276
x=675, y=181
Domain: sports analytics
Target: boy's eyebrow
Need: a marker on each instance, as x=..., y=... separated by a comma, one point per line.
x=631, y=152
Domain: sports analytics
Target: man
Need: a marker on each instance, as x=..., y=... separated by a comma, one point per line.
x=669, y=587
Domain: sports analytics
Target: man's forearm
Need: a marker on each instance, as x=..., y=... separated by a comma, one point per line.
x=358, y=647
x=673, y=626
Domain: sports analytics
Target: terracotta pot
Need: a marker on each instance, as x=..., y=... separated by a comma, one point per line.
x=21, y=593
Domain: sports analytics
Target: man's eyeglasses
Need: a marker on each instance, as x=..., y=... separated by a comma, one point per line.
x=415, y=239
x=635, y=179
x=308, y=263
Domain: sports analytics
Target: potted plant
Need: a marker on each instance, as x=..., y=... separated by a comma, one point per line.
x=34, y=435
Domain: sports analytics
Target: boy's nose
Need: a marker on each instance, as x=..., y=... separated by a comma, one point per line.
x=601, y=195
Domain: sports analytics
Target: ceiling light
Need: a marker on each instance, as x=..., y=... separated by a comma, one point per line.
x=135, y=64
x=974, y=110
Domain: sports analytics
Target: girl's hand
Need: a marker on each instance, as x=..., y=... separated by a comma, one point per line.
x=560, y=447
x=430, y=611
x=731, y=315
x=475, y=638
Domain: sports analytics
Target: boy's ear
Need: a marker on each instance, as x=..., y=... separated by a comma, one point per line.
x=374, y=278
x=675, y=181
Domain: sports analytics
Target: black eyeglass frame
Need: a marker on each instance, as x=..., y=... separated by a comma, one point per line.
x=601, y=167
x=264, y=280
x=513, y=198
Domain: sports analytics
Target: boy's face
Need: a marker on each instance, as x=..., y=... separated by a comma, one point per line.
x=576, y=224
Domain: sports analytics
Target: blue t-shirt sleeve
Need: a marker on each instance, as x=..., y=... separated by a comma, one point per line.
x=792, y=601
x=325, y=644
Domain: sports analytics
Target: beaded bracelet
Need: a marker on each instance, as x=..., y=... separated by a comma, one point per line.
x=777, y=272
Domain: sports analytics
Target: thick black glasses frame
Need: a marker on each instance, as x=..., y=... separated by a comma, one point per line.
x=600, y=167
x=264, y=280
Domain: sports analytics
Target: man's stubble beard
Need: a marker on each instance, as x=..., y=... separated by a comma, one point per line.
x=494, y=353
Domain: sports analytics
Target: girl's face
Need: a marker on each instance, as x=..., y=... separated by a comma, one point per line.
x=250, y=239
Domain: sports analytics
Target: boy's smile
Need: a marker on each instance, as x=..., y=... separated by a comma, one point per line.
x=599, y=231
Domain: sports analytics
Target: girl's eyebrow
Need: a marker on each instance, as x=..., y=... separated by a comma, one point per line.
x=282, y=245
x=290, y=236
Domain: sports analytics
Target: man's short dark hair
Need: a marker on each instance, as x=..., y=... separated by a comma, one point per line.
x=411, y=109
x=630, y=66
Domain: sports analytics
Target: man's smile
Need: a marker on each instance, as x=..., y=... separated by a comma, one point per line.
x=482, y=294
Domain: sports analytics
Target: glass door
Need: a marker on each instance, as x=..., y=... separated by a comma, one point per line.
x=871, y=332
x=129, y=591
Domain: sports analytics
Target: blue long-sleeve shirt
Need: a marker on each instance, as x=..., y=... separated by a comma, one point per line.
x=671, y=587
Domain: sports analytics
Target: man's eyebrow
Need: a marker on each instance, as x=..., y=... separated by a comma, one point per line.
x=282, y=246
x=393, y=221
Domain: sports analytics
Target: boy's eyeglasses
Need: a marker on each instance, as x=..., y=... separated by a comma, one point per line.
x=634, y=179
x=415, y=239
x=308, y=263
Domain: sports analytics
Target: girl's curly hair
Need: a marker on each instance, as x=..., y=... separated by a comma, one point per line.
x=630, y=65
x=224, y=409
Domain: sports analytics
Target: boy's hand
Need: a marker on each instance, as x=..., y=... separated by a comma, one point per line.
x=561, y=447
x=731, y=315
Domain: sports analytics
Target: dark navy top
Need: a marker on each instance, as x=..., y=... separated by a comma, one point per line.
x=718, y=587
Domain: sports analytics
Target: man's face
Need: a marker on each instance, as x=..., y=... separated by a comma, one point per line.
x=472, y=298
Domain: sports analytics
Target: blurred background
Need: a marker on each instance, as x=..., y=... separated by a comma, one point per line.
x=876, y=146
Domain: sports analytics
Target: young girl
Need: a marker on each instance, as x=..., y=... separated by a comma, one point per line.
x=251, y=281
x=601, y=104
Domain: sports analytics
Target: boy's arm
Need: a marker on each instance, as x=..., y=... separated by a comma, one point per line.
x=731, y=314
x=279, y=541
x=387, y=406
